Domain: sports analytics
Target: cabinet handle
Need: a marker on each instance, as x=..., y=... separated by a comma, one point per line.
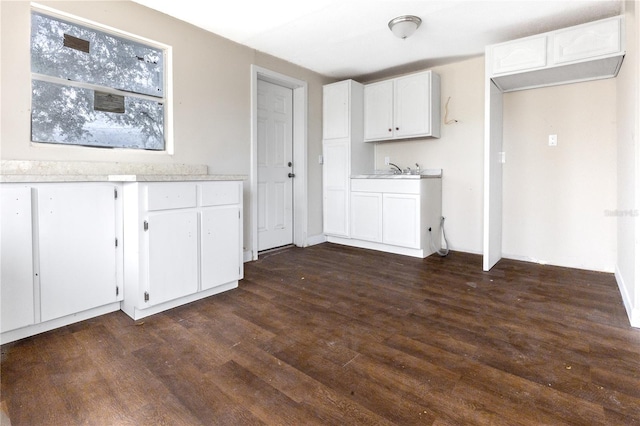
x=292, y=175
x=390, y=129
x=397, y=128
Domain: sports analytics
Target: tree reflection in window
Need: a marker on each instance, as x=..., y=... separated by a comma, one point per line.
x=70, y=62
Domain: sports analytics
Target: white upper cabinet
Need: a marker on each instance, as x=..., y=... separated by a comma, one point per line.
x=336, y=108
x=402, y=107
x=585, y=52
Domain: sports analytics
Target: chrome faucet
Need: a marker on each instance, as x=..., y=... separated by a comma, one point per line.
x=396, y=166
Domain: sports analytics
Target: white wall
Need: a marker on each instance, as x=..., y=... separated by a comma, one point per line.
x=459, y=152
x=211, y=83
x=557, y=201
x=628, y=229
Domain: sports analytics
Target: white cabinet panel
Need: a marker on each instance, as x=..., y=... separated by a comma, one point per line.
x=412, y=106
x=525, y=54
x=173, y=255
x=77, y=248
x=366, y=216
x=175, y=196
x=16, y=291
x=221, y=246
x=336, y=212
x=221, y=193
x=401, y=220
x=335, y=110
x=378, y=110
x=336, y=187
x=587, y=41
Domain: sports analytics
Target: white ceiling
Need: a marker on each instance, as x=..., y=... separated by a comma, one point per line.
x=351, y=39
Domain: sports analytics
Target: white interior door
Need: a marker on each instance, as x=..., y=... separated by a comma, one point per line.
x=275, y=168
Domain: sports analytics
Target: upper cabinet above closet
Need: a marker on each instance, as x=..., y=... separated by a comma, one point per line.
x=585, y=52
x=402, y=107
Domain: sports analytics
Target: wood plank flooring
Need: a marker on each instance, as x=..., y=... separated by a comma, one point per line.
x=332, y=335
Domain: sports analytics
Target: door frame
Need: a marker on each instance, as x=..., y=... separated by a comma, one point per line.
x=300, y=199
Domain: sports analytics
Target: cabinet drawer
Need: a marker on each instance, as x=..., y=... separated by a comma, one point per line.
x=398, y=185
x=220, y=193
x=175, y=195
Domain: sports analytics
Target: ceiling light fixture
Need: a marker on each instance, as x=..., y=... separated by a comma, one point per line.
x=405, y=25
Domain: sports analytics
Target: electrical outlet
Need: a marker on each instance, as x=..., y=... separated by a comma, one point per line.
x=553, y=140
x=386, y=161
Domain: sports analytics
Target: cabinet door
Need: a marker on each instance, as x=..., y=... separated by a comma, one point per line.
x=77, y=248
x=519, y=55
x=366, y=216
x=587, y=41
x=336, y=188
x=335, y=110
x=221, y=246
x=16, y=282
x=378, y=110
x=173, y=255
x=412, y=96
x=401, y=220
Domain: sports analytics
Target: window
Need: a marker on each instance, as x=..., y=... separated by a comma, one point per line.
x=93, y=88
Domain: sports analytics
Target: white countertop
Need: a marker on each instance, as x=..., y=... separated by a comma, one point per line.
x=424, y=174
x=115, y=178
x=18, y=171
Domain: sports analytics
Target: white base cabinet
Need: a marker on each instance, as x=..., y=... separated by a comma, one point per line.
x=395, y=215
x=61, y=255
x=184, y=243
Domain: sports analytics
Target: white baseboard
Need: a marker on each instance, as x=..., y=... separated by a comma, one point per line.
x=316, y=239
x=247, y=256
x=632, y=312
x=32, y=330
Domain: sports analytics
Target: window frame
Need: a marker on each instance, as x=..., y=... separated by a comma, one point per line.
x=167, y=99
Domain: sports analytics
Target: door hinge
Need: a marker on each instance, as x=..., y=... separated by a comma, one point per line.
x=238, y=214
x=146, y=296
x=146, y=225
x=116, y=242
x=117, y=291
x=115, y=193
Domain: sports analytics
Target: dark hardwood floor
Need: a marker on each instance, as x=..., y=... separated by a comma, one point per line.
x=331, y=335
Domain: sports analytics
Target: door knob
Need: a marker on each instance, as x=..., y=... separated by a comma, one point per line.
x=292, y=175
